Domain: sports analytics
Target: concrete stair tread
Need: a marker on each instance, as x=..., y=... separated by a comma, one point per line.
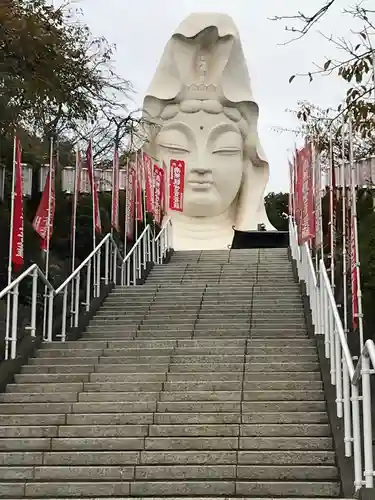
x=202, y=383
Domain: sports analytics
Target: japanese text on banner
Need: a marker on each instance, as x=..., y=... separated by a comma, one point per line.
x=176, y=185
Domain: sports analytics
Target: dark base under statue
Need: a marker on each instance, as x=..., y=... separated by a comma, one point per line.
x=260, y=239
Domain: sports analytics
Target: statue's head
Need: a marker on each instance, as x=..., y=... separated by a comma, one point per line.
x=201, y=104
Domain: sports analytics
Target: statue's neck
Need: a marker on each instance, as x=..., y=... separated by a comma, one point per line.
x=201, y=233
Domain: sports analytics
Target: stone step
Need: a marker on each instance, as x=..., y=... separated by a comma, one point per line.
x=43, y=419
x=272, y=376
x=196, y=418
x=291, y=417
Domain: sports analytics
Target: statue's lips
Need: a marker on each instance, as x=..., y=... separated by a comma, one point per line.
x=200, y=185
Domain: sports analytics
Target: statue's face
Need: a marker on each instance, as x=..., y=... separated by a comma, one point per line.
x=212, y=147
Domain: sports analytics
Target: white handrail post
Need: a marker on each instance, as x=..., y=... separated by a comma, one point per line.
x=144, y=252
x=98, y=269
x=114, y=268
x=64, y=312
x=50, y=315
x=76, y=306
x=367, y=423
x=13, y=342
x=34, y=298
x=88, y=286
x=339, y=405
x=356, y=438
x=128, y=273
x=134, y=268
x=106, y=263
x=331, y=328
x=149, y=246
x=347, y=412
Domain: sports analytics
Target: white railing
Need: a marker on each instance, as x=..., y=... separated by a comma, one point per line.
x=136, y=260
x=163, y=242
x=104, y=265
x=353, y=395
x=96, y=271
x=12, y=294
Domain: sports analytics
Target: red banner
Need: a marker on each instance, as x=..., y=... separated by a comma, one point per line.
x=94, y=190
x=46, y=209
x=148, y=176
x=138, y=166
x=354, y=273
x=140, y=185
x=130, y=201
x=158, y=193
x=17, y=233
x=176, y=185
x=306, y=191
x=77, y=189
x=115, y=191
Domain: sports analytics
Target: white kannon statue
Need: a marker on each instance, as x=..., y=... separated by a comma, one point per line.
x=201, y=103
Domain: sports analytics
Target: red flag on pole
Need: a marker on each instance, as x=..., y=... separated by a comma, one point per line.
x=46, y=209
x=115, y=191
x=138, y=167
x=130, y=202
x=176, y=185
x=94, y=191
x=17, y=225
x=77, y=189
x=307, y=208
x=148, y=175
x=158, y=193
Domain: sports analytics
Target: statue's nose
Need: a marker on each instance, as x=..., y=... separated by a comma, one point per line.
x=201, y=170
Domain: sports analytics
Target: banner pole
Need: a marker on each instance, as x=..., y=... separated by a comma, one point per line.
x=358, y=292
x=331, y=209
x=344, y=238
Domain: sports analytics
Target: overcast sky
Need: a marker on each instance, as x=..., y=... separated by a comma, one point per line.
x=141, y=28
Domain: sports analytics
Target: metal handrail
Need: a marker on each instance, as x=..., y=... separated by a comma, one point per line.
x=344, y=376
x=163, y=242
x=163, y=229
x=30, y=270
x=136, y=244
x=85, y=262
x=97, y=270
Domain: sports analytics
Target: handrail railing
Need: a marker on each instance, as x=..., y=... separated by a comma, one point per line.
x=81, y=287
x=163, y=242
x=344, y=376
x=95, y=270
x=12, y=293
x=137, y=258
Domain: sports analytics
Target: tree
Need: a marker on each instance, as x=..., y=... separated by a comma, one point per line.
x=53, y=74
x=356, y=67
x=277, y=210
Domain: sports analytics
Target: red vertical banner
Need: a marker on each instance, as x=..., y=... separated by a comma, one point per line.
x=307, y=208
x=176, y=185
x=115, y=190
x=354, y=275
x=140, y=186
x=17, y=234
x=77, y=189
x=46, y=209
x=95, y=199
x=130, y=201
x=138, y=168
x=148, y=176
x=158, y=193
x=291, y=189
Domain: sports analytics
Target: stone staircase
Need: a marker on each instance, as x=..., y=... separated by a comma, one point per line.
x=200, y=383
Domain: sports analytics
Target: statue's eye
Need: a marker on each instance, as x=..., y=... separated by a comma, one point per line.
x=174, y=147
x=226, y=150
